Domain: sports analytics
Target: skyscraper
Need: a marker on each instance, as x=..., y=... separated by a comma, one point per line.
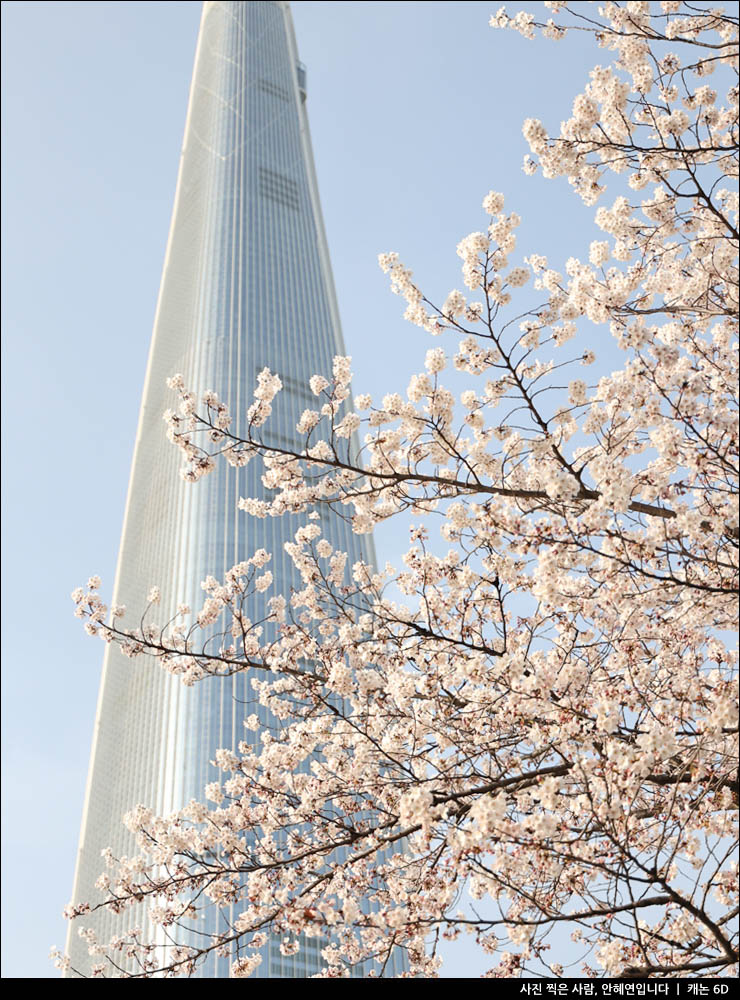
x=246, y=284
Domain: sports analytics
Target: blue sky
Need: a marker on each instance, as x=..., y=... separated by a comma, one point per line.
x=415, y=111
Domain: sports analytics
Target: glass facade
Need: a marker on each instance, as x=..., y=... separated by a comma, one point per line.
x=246, y=285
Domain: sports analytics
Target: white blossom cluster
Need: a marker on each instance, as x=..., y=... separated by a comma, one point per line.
x=540, y=705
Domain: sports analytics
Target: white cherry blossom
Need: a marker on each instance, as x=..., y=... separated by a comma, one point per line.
x=539, y=707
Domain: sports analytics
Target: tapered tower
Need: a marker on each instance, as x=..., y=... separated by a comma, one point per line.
x=246, y=284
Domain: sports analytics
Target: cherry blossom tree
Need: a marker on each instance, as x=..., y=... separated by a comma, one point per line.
x=538, y=711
